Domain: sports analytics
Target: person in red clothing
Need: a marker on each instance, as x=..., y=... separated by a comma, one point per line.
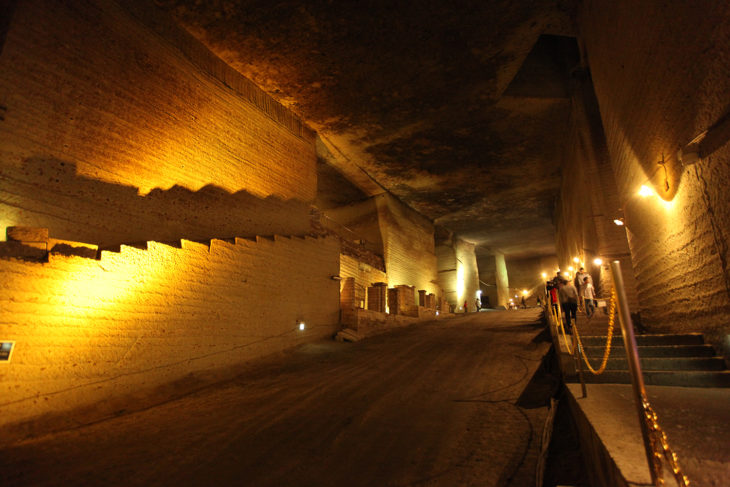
x=554, y=299
x=465, y=306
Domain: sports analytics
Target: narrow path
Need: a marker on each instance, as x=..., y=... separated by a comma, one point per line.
x=432, y=404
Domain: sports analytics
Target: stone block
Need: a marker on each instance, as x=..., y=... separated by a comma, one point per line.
x=27, y=234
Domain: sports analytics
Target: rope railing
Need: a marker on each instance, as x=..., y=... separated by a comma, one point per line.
x=656, y=442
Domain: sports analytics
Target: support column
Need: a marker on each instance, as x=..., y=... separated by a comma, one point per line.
x=500, y=275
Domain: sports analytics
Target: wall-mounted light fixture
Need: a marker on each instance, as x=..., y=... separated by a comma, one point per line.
x=576, y=259
x=336, y=278
x=300, y=325
x=619, y=222
x=6, y=351
x=706, y=142
x=544, y=275
x=598, y=261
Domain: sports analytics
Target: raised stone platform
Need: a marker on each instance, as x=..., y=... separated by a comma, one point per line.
x=694, y=419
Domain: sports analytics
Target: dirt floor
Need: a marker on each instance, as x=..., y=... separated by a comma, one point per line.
x=443, y=403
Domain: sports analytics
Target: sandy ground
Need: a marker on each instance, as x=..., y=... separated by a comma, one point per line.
x=433, y=404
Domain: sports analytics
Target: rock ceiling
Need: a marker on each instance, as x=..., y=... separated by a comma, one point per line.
x=460, y=109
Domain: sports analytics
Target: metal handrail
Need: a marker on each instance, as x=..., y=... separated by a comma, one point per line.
x=655, y=440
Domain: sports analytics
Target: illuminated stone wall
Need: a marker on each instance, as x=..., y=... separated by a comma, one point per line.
x=457, y=270
x=662, y=77
x=467, y=273
x=404, y=238
x=409, y=248
x=502, y=280
x=96, y=331
x=364, y=276
x=590, y=202
x=118, y=126
x=447, y=270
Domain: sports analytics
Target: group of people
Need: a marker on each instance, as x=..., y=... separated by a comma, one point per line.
x=567, y=296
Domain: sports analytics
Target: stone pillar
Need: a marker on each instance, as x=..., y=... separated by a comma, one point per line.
x=502, y=280
x=422, y=301
x=376, y=297
x=393, y=304
x=406, y=300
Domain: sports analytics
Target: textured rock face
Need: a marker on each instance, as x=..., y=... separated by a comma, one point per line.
x=459, y=111
x=91, y=330
x=660, y=83
x=590, y=202
x=118, y=127
x=458, y=274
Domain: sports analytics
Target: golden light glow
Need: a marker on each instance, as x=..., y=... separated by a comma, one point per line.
x=544, y=275
x=576, y=259
x=667, y=205
x=571, y=268
x=459, y=282
x=566, y=274
x=619, y=222
x=97, y=289
x=645, y=191
x=301, y=326
x=598, y=261
x=524, y=291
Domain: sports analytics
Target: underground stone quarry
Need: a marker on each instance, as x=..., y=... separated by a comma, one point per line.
x=257, y=242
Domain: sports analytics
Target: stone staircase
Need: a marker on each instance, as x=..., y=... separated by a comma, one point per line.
x=666, y=360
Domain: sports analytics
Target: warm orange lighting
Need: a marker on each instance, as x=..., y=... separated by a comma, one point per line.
x=524, y=291
x=619, y=222
x=598, y=261
x=645, y=191
x=566, y=274
x=301, y=326
x=576, y=259
x=544, y=275
x=571, y=268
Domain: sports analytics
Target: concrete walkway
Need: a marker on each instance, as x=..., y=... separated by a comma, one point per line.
x=432, y=404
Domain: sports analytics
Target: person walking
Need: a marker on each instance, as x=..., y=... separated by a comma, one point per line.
x=589, y=297
x=580, y=286
x=554, y=299
x=466, y=306
x=569, y=302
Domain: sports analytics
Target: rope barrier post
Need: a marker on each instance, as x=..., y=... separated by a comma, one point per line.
x=632, y=354
x=578, y=350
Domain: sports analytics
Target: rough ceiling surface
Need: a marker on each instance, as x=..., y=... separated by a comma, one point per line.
x=460, y=109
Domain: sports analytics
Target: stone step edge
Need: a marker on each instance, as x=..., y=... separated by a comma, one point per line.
x=187, y=244
x=648, y=335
